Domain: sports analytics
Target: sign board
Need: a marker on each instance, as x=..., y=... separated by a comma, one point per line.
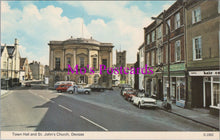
x=205, y=73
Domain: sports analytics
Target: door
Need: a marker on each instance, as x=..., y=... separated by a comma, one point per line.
x=208, y=94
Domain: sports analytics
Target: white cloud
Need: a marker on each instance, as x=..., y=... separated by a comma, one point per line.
x=166, y=6
x=36, y=27
x=125, y=28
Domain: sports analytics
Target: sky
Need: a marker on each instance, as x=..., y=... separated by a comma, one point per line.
x=35, y=23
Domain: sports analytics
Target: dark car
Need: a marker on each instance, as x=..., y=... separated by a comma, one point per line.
x=128, y=93
x=28, y=84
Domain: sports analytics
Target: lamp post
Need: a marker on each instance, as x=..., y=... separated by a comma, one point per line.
x=168, y=65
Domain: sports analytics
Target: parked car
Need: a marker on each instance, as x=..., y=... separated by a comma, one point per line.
x=63, y=87
x=138, y=94
x=79, y=89
x=143, y=101
x=128, y=93
x=63, y=82
x=124, y=89
x=95, y=87
x=28, y=84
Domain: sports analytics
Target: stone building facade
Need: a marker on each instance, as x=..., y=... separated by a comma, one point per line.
x=37, y=70
x=25, y=71
x=86, y=53
x=10, y=65
x=141, y=50
x=203, y=52
x=121, y=62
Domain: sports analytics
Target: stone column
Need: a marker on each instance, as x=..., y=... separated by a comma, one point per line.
x=51, y=59
x=74, y=57
x=64, y=65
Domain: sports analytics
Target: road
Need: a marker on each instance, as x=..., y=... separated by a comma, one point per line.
x=35, y=109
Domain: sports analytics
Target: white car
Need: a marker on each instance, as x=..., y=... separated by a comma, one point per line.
x=78, y=89
x=142, y=101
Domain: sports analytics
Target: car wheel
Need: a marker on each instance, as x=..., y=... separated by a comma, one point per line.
x=139, y=105
x=86, y=92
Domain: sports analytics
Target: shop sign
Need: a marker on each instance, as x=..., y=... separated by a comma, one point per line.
x=205, y=73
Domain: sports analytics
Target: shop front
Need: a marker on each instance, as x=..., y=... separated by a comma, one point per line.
x=178, y=84
x=206, y=89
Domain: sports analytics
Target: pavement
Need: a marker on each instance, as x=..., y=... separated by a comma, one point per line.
x=197, y=115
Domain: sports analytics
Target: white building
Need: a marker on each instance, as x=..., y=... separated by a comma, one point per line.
x=141, y=65
x=10, y=65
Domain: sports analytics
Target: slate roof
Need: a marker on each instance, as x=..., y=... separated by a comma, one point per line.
x=10, y=50
x=2, y=48
x=22, y=60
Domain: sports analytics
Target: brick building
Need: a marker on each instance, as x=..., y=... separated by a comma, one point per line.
x=203, y=52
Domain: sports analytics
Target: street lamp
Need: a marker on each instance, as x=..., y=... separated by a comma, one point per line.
x=168, y=65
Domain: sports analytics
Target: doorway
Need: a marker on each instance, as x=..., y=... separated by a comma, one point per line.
x=207, y=94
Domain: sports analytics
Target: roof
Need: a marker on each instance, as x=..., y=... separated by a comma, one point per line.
x=80, y=41
x=22, y=61
x=10, y=50
x=142, y=45
x=2, y=48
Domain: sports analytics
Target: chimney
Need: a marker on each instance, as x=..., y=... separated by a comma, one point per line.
x=16, y=41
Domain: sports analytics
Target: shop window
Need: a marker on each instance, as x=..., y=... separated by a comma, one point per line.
x=180, y=88
x=216, y=91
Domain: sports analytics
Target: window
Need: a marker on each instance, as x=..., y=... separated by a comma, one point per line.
x=94, y=64
x=177, y=20
x=216, y=94
x=4, y=65
x=153, y=36
x=148, y=59
x=82, y=64
x=218, y=6
x=160, y=55
x=196, y=15
x=82, y=79
x=67, y=78
x=168, y=22
x=152, y=58
x=197, y=48
x=148, y=39
x=177, y=51
x=69, y=60
x=104, y=62
x=57, y=63
x=159, y=32
x=180, y=88
x=96, y=78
